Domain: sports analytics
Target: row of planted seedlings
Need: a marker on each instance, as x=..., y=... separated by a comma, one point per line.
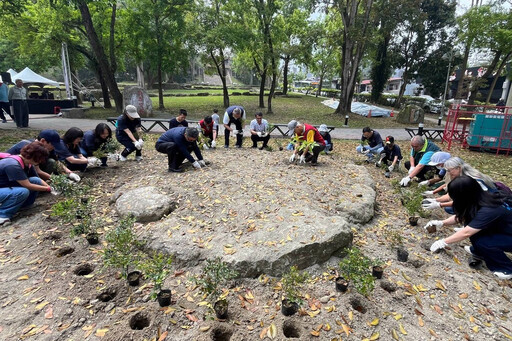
x=411, y=198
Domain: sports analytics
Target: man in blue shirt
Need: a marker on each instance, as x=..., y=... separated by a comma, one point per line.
x=259, y=131
x=177, y=143
x=234, y=114
x=374, y=147
x=4, y=102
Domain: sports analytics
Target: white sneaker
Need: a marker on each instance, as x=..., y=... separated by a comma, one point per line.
x=502, y=275
x=4, y=221
x=138, y=158
x=122, y=158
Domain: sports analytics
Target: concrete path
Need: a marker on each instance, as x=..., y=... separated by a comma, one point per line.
x=40, y=122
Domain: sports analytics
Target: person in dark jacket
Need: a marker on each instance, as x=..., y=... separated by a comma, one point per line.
x=390, y=154
x=128, y=129
x=374, y=147
x=177, y=143
x=69, y=151
x=180, y=120
x=94, y=140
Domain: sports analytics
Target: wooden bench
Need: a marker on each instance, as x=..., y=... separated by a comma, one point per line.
x=429, y=133
x=162, y=122
x=283, y=128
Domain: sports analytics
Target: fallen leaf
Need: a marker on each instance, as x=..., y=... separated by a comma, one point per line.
x=272, y=331
x=204, y=328
x=420, y=321
x=440, y=285
x=22, y=278
x=477, y=286
x=402, y=329
x=42, y=305
x=374, y=322
x=49, y=313
x=394, y=334
x=263, y=333
x=375, y=336
x=163, y=336
x=101, y=332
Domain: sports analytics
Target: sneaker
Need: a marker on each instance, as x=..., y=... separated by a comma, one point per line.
x=103, y=165
x=175, y=170
x=502, y=275
x=469, y=249
x=138, y=158
x=4, y=121
x=122, y=158
x=226, y=146
x=238, y=146
x=4, y=221
x=314, y=164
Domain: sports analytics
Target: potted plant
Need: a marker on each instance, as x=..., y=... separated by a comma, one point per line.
x=111, y=146
x=156, y=268
x=211, y=281
x=121, y=249
x=292, y=283
x=412, y=199
x=355, y=266
x=378, y=268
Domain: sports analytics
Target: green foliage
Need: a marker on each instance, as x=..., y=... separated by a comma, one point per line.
x=412, y=198
x=122, y=244
x=213, y=276
x=395, y=238
x=355, y=267
x=156, y=267
x=111, y=146
x=68, y=188
x=66, y=210
x=292, y=283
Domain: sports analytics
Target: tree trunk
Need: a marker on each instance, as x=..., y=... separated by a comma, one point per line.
x=271, y=94
x=100, y=55
x=221, y=71
x=104, y=89
x=140, y=75
x=159, y=63
x=285, y=74
x=474, y=89
x=495, y=79
x=321, y=82
x=460, y=85
x=405, y=79
x=113, y=62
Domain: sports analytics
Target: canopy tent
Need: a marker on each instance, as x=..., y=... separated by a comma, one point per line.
x=30, y=77
x=12, y=72
x=361, y=108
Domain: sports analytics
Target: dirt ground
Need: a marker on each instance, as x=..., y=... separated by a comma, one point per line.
x=49, y=294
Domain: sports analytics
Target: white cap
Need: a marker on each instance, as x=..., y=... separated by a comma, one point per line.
x=131, y=111
x=323, y=128
x=439, y=157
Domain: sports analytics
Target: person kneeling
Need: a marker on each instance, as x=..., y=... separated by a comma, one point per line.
x=177, y=143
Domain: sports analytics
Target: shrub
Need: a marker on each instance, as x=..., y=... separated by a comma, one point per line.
x=292, y=283
x=355, y=267
x=213, y=276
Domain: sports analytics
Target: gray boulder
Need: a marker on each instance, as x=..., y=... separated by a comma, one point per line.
x=411, y=114
x=145, y=204
x=138, y=97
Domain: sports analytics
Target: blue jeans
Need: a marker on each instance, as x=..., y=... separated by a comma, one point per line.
x=371, y=153
x=14, y=198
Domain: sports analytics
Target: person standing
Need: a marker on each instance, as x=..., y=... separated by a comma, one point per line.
x=4, y=102
x=259, y=131
x=128, y=128
x=375, y=145
x=180, y=120
x=18, y=97
x=235, y=114
x=177, y=143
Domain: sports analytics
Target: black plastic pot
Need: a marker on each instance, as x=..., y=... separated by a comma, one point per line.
x=221, y=309
x=289, y=308
x=134, y=278
x=341, y=284
x=413, y=221
x=402, y=255
x=92, y=238
x=164, y=297
x=474, y=263
x=377, y=272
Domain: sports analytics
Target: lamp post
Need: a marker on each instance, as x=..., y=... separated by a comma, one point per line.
x=449, y=56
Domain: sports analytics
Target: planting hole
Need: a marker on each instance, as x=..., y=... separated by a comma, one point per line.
x=221, y=333
x=139, y=321
x=290, y=330
x=53, y=236
x=107, y=295
x=356, y=303
x=83, y=270
x=63, y=251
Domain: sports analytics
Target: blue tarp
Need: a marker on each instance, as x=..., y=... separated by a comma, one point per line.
x=361, y=108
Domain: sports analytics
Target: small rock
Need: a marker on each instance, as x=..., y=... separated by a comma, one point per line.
x=94, y=301
x=146, y=298
x=82, y=320
x=387, y=285
x=426, y=245
x=490, y=287
x=69, y=311
x=110, y=307
x=325, y=299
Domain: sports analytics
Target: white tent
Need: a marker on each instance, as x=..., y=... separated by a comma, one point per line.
x=30, y=77
x=12, y=72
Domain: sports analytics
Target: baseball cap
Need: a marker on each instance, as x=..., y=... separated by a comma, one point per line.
x=439, y=157
x=390, y=139
x=131, y=111
x=323, y=128
x=291, y=126
x=50, y=136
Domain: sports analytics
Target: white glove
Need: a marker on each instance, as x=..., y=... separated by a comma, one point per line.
x=113, y=157
x=263, y=134
x=54, y=191
x=390, y=168
x=240, y=132
x=141, y=142
x=438, y=245
x=205, y=146
x=379, y=163
x=430, y=204
x=302, y=159
x=258, y=133
x=365, y=151
x=411, y=170
x=137, y=145
x=234, y=131
x=437, y=223
x=423, y=183
x=292, y=158
x=427, y=193
x=202, y=163
x=74, y=177
x=196, y=165
x=214, y=143
x=92, y=161
x=405, y=181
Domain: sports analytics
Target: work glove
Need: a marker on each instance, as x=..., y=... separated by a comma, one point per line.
x=196, y=165
x=259, y=133
x=202, y=163
x=113, y=156
x=379, y=163
x=74, y=177
x=292, y=158
x=137, y=145
x=263, y=134
x=390, y=168
x=405, y=181
x=411, y=170
x=92, y=161
x=365, y=151
x=53, y=191
x=141, y=142
x=214, y=144
x=234, y=131
x=427, y=193
x=424, y=183
x=430, y=204
x=240, y=132
x=205, y=146
x=438, y=245
x=302, y=159
x=437, y=223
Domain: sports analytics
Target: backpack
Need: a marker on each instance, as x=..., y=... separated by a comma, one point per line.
x=503, y=188
x=15, y=157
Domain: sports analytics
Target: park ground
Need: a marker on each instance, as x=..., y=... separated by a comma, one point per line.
x=438, y=296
